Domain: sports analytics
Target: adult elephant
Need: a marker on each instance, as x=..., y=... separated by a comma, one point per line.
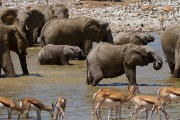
x=81, y=32
x=137, y=38
x=26, y=20
x=109, y=61
x=59, y=54
x=170, y=40
x=11, y=38
x=49, y=12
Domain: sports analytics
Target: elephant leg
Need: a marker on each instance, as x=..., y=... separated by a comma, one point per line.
x=130, y=73
x=35, y=34
x=86, y=46
x=7, y=64
x=64, y=60
x=97, y=75
x=29, y=36
x=177, y=64
x=22, y=58
x=89, y=75
x=0, y=71
x=171, y=66
x=169, y=59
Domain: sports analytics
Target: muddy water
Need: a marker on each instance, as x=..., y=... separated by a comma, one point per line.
x=47, y=83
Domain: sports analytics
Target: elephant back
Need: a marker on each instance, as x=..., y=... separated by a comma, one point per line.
x=170, y=36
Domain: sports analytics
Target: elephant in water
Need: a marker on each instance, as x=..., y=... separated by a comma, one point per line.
x=26, y=20
x=81, y=32
x=108, y=61
x=12, y=39
x=170, y=40
x=137, y=38
x=59, y=54
x=49, y=12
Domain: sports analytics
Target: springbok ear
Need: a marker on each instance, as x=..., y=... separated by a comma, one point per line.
x=9, y=16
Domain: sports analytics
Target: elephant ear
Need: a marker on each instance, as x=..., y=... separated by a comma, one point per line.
x=92, y=28
x=68, y=51
x=48, y=13
x=34, y=19
x=135, y=39
x=133, y=55
x=9, y=16
x=22, y=42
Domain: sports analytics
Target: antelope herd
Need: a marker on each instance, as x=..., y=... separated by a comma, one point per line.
x=28, y=104
x=114, y=100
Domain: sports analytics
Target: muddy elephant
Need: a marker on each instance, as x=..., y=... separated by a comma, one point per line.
x=59, y=54
x=109, y=61
x=170, y=40
x=27, y=20
x=137, y=38
x=49, y=12
x=12, y=39
x=81, y=32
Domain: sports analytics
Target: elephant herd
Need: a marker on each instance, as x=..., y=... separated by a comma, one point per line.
x=64, y=38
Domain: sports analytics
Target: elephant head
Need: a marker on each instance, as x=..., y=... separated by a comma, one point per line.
x=141, y=38
x=97, y=31
x=142, y=55
x=26, y=20
x=74, y=52
x=59, y=11
x=29, y=19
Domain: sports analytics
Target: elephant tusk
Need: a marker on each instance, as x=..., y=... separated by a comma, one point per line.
x=158, y=61
x=27, y=28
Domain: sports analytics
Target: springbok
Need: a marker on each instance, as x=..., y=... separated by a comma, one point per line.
x=167, y=95
x=59, y=108
x=146, y=103
x=28, y=104
x=111, y=99
x=9, y=104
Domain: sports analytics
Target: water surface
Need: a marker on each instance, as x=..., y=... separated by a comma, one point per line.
x=47, y=83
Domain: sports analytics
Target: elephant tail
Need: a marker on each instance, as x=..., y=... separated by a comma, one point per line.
x=42, y=41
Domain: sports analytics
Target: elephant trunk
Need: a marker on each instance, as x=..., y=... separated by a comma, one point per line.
x=157, y=64
x=109, y=37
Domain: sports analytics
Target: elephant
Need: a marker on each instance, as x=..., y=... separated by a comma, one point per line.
x=26, y=20
x=109, y=61
x=59, y=54
x=137, y=38
x=170, y=40
x=49, y=12
x=81, y=32
x=12, y=39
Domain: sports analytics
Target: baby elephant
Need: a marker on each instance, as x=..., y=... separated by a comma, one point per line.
x=59, y=54
x=136, y=38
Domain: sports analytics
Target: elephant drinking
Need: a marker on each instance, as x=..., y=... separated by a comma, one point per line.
x=59, y=54
x=108, y=61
